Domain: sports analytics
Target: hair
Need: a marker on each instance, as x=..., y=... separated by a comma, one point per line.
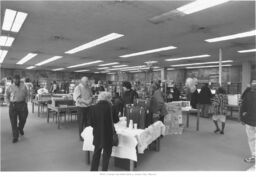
x=16, y=77
x=221, y=90
x=155, y=85
x=104, y=96
x=127, y=85
x=27, y=80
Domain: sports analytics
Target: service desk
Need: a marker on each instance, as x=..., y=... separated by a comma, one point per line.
x=191, y=110
x=131, y=141
x=58, y=110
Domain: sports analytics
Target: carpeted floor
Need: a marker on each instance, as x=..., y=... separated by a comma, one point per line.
x=46, y=148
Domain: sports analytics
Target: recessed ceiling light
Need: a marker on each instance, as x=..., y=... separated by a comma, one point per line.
x=84, y=64
x=19, y=20
x=26, y=58
x=212, y=66
x=148, y=51
x=187, y=58
x=203, y=63
x=96, y=42
x=151, y=62
x=13, y=20
x=49, y=60
x=58, y=69
x=246, y=51
x=233, y=36
x=84, y=70
x=118, y=66
x=6, y=41
x=199, y=5
x=3, y=54
x=30, y=67
x=107, y=64
x=103, y=68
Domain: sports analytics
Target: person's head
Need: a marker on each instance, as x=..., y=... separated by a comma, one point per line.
x=27, y=80
x=221, y=91
x=16, y=80
x=206, y=85
x=104, y=96
x=127, y=85
x=54, y=82
x=155, y=86
x=253, y=84
x=99, y=82
x=85, y=81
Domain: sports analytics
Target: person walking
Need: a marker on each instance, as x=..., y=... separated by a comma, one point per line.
x=103, y=129
x=83, y=98
x=248, y=118
x=219, y=104
x=17, y=97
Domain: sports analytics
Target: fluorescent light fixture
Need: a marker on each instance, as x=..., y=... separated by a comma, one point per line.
x=6, y=41
x=212, y=66
x=103, y=68
x=104, y=72
x=135, y=71
x=148, y=51
x=203, y=63
x=30, y=67
x=58, y=69
x=84, y=64
x=151, y=62
x=170, y=69
x=119, y=66
x=157, y=69
x=96, y=72
x=19, y=20
x=110, y=73
x=13, y=20
x=8, y=19
x=84, y=70
x=26, y=58
x=188, y=58
x=49, y=60
x=96, y=42
x=131, y=67
x=233, y=36
x=199, y=5
x=107, y=64
x=3, y=54
x=246, y=51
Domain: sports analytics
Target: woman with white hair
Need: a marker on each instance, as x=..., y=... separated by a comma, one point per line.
x=103, y=129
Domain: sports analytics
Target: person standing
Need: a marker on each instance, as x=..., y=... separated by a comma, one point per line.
x=248, y=118
x=17, y=97
x=204, y=99
x=219, y=103
x=83, y=98
x=103, y=129
x=129, y=94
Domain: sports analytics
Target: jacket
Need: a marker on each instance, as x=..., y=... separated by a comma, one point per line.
x=220, y=103
x=205, y=96
x=102, y=123
x=157, y=103
x=248, y=108
x=129, y=96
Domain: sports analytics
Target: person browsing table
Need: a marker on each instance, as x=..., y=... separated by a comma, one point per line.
x=83, y=98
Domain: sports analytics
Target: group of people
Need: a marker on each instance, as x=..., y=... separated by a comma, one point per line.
x=103, y=113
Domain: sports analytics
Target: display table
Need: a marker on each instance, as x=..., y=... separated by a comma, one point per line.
x=232, y=108
x=58, y=110
x=39, y=104
x=131, y=141
x=191, y=110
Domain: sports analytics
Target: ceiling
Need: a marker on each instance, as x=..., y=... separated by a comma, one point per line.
x=53, y=27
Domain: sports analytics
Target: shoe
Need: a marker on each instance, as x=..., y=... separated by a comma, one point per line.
x=250, y=159
x=22, y=132
x=222, y=132
x=14, y=140
x=217, y=130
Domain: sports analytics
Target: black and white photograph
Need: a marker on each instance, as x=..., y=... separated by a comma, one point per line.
x=128, y=87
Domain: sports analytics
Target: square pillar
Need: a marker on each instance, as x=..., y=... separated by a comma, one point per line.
x=246, y=75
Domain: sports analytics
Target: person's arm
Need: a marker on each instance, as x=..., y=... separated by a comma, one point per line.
x=8, y=95
x=77, y=95
x=26, y=94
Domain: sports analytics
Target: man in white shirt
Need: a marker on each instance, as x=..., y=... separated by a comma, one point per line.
x=83, y=98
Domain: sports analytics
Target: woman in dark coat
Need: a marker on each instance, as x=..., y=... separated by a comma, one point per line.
x=103, y=129
x=204, y=99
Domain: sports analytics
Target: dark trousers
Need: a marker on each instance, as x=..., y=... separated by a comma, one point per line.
x=96, y=158
x=18, y=110
x=83, y=118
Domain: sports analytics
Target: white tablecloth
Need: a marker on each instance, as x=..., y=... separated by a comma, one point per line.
x=128, y=140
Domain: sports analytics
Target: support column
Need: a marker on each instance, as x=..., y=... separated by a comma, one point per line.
x=220, y=67
x=246, y=75
x=163, y=74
